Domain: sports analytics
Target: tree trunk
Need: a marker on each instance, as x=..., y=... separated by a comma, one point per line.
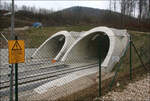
x=140, y=10
x=149, y=5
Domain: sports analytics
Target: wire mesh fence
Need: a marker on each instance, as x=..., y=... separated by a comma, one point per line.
x=59, y=68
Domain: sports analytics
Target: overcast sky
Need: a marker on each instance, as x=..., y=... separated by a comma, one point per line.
x=61, y=4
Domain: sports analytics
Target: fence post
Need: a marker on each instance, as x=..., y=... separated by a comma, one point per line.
x=11, y=82
x=99, y=51
x=12, y=69
x=130, y=58
x=118, y=67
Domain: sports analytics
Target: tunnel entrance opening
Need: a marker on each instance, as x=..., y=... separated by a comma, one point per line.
x=87, y=49
x=58, y=43
x=99, y=45
x=51, y=48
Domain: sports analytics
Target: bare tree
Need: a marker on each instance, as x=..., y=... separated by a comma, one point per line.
x=0, y=4
x=114, y=5
x=149, y=5
x=140, y=9
x=110, y=5
x=24, y=8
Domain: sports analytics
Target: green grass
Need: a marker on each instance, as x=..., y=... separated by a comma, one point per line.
x=142, y=43
x=34, y=37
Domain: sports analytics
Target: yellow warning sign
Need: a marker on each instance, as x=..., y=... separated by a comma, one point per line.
x=16, y=51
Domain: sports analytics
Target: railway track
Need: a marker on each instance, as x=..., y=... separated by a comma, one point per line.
x=46, y=75
x=31, y=63
x=34, y=71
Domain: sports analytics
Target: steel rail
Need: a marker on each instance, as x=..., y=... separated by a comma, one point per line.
x=26, y=64
x=38, y=68
x=45, y=73
x=49, y=74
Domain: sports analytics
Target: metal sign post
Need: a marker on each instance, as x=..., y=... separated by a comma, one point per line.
x=16, y=76
x=16, y=50
x=12, y=20
x=16, y=82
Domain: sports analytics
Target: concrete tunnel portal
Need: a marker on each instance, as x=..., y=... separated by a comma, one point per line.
x=89, y=48
x=54, y=46
x=85, y=47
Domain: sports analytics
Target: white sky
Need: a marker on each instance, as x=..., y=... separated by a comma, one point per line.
x=61, y=4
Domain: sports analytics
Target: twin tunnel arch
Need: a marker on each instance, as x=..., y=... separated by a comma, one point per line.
x=86, y=46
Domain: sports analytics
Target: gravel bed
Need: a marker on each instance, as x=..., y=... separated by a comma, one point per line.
x=137, y=91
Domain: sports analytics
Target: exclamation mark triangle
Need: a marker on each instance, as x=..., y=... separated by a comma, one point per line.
x=16, y=46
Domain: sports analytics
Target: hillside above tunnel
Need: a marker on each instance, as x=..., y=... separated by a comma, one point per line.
x=76, y=15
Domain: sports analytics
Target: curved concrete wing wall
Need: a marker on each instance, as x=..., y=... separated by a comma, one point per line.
x=55, y=46
x=114, y=43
